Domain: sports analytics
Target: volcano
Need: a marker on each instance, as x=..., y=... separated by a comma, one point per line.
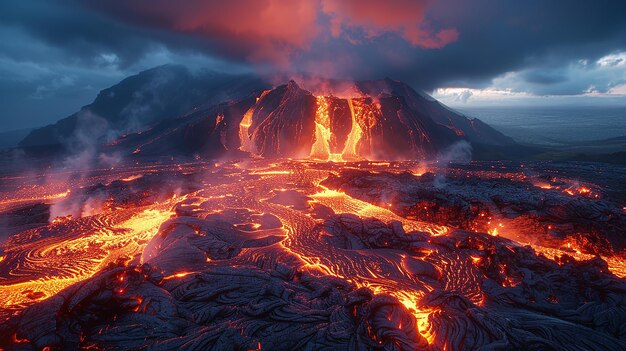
x=204, y=211
x=215, y=115
x=383, y=120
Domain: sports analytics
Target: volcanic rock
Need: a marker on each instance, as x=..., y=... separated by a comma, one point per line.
x=169, y=111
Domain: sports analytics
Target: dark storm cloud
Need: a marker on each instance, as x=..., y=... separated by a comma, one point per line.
x=451, y=40
x=82, y=34
x=501, y=36
x=544, y=77
x=62, y=52
x=85, y=34
x=56, y=55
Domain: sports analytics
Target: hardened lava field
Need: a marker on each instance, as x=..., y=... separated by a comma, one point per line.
x=286, y=255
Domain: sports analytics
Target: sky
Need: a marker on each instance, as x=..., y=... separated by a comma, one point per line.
x=56, y=55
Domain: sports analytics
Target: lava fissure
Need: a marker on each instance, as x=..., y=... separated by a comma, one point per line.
x=304, y=255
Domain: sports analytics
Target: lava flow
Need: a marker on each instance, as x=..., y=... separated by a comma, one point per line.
x=326, y=143
x=286, y=254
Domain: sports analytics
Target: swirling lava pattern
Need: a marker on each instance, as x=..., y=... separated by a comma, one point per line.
x=84, y=247
x=268, y=257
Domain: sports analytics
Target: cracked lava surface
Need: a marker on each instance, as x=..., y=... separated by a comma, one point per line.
x=285, y=255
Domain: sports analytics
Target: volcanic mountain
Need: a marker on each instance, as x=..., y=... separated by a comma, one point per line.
x=158, y=246
x=215, y=115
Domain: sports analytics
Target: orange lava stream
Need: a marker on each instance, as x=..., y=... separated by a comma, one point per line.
x=343, y=203
x=247, y=143
x=61, y=262
x=350, y=150
x=321, y=149
x=9, y=202
x=617, y=265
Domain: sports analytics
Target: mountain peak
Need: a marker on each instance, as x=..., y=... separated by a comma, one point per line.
x=377, y=119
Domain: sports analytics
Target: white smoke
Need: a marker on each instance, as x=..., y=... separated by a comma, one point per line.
x=84, y=156
x=459, y=152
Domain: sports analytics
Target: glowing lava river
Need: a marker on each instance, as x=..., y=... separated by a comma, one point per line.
x=290, y=255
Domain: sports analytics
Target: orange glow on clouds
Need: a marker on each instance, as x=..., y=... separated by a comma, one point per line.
x=403, y=17
x=273, y=30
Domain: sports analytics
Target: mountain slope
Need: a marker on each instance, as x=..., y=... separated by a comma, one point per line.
x=474, y=130
x=170, y=111
x=138, y=102
x=289, y=121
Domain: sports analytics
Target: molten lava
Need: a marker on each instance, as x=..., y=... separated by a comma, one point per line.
x=53, y=264
x=246, y=140
x=284, y=254
x=321, y=149
x=350, y=149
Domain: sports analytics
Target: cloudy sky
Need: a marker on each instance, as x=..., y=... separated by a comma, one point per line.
x=55, y=55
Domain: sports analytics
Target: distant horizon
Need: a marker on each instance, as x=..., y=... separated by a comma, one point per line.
x=452, y=100
x=597, y=100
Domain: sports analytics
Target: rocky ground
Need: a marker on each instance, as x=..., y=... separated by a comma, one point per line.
x=305, y=256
